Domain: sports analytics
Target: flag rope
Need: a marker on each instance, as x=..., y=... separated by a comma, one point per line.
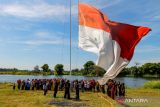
x=106, y=100
x=70, y=35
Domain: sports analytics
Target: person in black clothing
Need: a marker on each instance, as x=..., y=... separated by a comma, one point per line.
x=122, y=90
x=14, y=86
x=55, y=88
x=77, y=89
x=103, y=89
x=118, y=89
x=82, y=86
x=32, y=84
x=23, y=85
x=97, y=86
x=67, y=91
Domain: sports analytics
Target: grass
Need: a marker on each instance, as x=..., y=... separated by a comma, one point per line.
x=152, y=84
x=152, y=96
x=153, y=76
x=150, y=92
x=22, y=98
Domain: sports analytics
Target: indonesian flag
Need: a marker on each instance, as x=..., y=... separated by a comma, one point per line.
x=113, y=42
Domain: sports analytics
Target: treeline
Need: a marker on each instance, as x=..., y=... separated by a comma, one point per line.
x=11, y=70
x=148, y=69
x=89, y=69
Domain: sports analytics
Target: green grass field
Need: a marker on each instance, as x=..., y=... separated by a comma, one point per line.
x=151, y=95
x=19, y=98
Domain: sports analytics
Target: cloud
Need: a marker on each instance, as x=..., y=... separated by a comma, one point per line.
x=42, y=38
x=35, y=11
x=43, y=42
x=157, y=17
x=48, y=34
x=42, y=34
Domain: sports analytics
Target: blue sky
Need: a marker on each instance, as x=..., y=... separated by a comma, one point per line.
x=34, y=32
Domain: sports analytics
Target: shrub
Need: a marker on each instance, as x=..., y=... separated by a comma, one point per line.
x=152, y=84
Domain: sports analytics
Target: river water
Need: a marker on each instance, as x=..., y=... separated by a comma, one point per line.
x=129, y=81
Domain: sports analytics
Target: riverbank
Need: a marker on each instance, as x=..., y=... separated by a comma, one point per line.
x=19, y=98
x=144, y=76
x=25, y=73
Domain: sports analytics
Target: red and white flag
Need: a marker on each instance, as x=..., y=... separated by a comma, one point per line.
x=113, y=42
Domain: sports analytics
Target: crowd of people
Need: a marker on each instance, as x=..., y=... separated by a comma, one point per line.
x=111, y=88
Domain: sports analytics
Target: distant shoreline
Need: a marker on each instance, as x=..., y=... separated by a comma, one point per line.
x=64, y=73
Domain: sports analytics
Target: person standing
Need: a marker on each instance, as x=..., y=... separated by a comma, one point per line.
x=97, y=86
x=102, y=89
x=28, y=84
x=82, y=85
x=109, y=88
x=118, y=89
x=14, y=86
x=19, y=84
x=123, y=90
x=55, y=88
x=113, y=90
x=23, y=85
x=93, y=85
x=77, y=89
x=67, y=90
x=32, y=84
x=72, y=85
x=45, y=88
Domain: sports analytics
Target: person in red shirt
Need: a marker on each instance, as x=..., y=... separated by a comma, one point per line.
x=19, y=84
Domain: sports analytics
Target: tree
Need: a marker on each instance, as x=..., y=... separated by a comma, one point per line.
x=158, y=69
x=88, y=68
x=75, y=70
x=134, y=71
x=124, y=72
x=150, y=68
x=140, y=71
x=98, y=71
x=45, y=68
x=58, y=69
x=36, y=68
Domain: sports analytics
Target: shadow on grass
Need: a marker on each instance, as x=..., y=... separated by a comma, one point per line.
x=73, y=102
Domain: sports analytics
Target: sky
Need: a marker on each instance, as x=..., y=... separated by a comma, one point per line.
x=35, y=32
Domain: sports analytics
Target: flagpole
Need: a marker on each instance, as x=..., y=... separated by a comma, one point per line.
x=70, y=36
